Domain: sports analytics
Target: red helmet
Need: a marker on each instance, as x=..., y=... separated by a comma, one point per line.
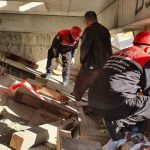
x=76, y=32
x=142, y=38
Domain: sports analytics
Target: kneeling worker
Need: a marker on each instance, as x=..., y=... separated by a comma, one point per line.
x=114, y=93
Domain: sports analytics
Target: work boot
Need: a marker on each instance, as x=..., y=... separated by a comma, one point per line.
x=48, y=76
x=65, y=81
x=43, y=75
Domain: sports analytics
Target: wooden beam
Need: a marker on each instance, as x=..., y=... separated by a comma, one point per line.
x=25, y=139
x=51, y=106
x=22, y=60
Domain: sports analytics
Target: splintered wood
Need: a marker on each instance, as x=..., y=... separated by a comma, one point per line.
x=66, y=128
x=51, y=93
x=49, y=105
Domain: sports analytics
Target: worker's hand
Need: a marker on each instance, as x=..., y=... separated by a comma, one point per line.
x=59, y=61
x=73, y=60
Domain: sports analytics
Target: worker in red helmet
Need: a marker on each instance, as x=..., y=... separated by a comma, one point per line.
x=76, y=32
x=64, y=43
x=114, y=93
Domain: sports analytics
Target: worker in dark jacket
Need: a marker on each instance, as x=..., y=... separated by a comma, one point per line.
x=64, y=43
x=114, y=93
x=94, y=51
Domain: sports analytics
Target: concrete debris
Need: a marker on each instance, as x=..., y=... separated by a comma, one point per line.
x=58, y=113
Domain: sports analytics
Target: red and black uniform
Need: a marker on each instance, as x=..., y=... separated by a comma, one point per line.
x=63, y=44
x=114, y=92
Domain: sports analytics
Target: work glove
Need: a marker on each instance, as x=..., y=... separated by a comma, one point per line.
x=73, y=60
x=59, y=61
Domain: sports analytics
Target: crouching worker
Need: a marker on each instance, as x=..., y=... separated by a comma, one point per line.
x=64, y=43
x=114, y=93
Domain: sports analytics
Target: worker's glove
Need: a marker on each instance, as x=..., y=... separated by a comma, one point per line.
x=73, y=60
x=59, y=61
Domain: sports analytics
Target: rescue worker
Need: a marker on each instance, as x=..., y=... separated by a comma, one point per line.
x=114, y=93
x=94, y=51
x=64, y=43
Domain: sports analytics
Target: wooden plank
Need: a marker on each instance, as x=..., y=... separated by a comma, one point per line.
x=61, y=134
x=26, y=97
x=57, y=95
x=47, y=132
x=14, y=63
x=37, y=103
x=23, y=140
x=51, y=93
x=20, y=140
x=53, y=135
x=41, y=116
x=22, y=60
x=41, y=80
x=29, y=100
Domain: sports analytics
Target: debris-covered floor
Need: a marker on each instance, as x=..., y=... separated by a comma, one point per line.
x=39, y=114
x=69, y=118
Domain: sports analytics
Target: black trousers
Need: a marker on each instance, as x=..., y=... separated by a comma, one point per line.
x=83, y=81
x=131, y=111
x=66, y=60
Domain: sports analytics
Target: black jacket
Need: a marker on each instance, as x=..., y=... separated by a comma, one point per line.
x=95, y=47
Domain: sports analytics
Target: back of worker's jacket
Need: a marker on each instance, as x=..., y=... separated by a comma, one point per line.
x=122, y=76
x=95, y=46
x=63, y=42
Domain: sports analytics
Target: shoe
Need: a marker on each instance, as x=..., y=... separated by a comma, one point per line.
x=65, y=81
x=48, y=76
x=43, y=75
x=72, y=93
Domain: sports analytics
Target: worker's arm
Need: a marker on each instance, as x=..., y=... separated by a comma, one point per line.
x=54, y=49
x=86, y=45
x=56, y=41
x=145, y=80
x=74, y=49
